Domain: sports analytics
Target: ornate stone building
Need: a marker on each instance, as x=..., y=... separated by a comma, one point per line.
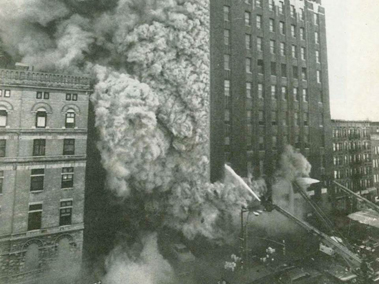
x=43, y=138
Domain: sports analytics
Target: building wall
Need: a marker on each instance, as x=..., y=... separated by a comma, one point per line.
x=18, y=163
x=374, y=137
x=352, y=160
x=249, y=142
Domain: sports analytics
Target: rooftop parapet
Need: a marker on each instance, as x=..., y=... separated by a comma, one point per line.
x=41, y=79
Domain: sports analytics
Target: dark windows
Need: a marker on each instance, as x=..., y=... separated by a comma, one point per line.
x=35, y=217
x=274, y=118
x=248, y=41
x=226, y=13
x=7, y=93
x=282, y=28
x=272, y=25
x=68, y=146
x=71, y=97
x=39, y=146
x=36, y=179
x=302, y=33
x=295, y=72
x=316, y=19
x=305, y=118
x=294, y=51
x=259, y=3
x=41, y=118
x=67, y=177
x=284, y=70
x=273, y=68
x=65, y=213
x=247, y=18
x=282, y=49
x=3, y=118
x=293, y=11
x=226, y=37
x=296, y=119
x=248, y=65
x=226, y=61
x=261, y=143
x=3, y=146
x=281, y=7
x=303, y=53
x=260, y=66
x=274, y=145
x=1, y=181
x=46, y=95
x=70, y=119
x=261, y=118
x=260, y=91
x=39, y=95
x=293, y=30
x=304, y=73
x=321, y=97
x=302, y=14
x=271, y=5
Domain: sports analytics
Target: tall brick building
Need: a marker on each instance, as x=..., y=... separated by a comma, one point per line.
x=269, y=85
x=353, y=152
x=43, y=137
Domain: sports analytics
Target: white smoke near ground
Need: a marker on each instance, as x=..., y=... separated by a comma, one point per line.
x=147, y=266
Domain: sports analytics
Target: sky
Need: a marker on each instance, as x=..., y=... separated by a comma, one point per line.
x=353, y=55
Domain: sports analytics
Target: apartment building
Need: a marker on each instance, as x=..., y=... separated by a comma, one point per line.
x=43, y=138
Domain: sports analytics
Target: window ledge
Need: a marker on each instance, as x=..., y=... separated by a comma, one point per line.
x=67, y=188
x=36, y=191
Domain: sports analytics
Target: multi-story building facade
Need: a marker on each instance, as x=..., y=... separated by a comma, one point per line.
x=352, y=161
x=374, y=139
x=269, y=85
x=43, y=137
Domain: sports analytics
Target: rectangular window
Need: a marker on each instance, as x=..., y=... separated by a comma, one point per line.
x=305, y=118
x=261, y=118
x=46, y=95
x=260, y=91
x=282, y=28
x=3, y=147
x=70, y=119
x=284, y=70
x=1, y=181
x=39, y=146
x=259, y=43
x=273, y=68
x=261, y=143
x=74, y=97
x=284, y=93
x=67, y=177
x=293, y=11
x=295, y=94
x=318, y=73
x=226, y=13
x=303, y=53
x=226, y=37
x=227, y=115
x=317, y=38
x=248, y=65
x=248, y=90
x=248, y=116
x=247, y=18
x=41, y=118
x=274, y=143
x=272, y=25
x=305, y=95
x=302, y=14
x=39, y=95
x=293, y=30
x=68, y=146
x=321, y=98
x=321, y=120
x=68, y=97
x=260, y=66
x=282, y=49
x=259, y=21
x=294, y=51
x=302, y=33
x=316, y=19
x=36, y=179
x=296, y=119
x=273, y=92
x=226, y=61
x=65, y=213
x=227, y=88
x=7, y=93
x=259, y=3
x=274, y=118
x=272, y=46
x=248, y=41
x=317, y=56
x=35, y=217
x=271, y=5
x=295, y=72
x=281, y=7
x=304, y=73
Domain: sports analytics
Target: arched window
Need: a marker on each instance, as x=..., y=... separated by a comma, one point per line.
x=41, y=118
x=70, y=119
x=3, y=118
